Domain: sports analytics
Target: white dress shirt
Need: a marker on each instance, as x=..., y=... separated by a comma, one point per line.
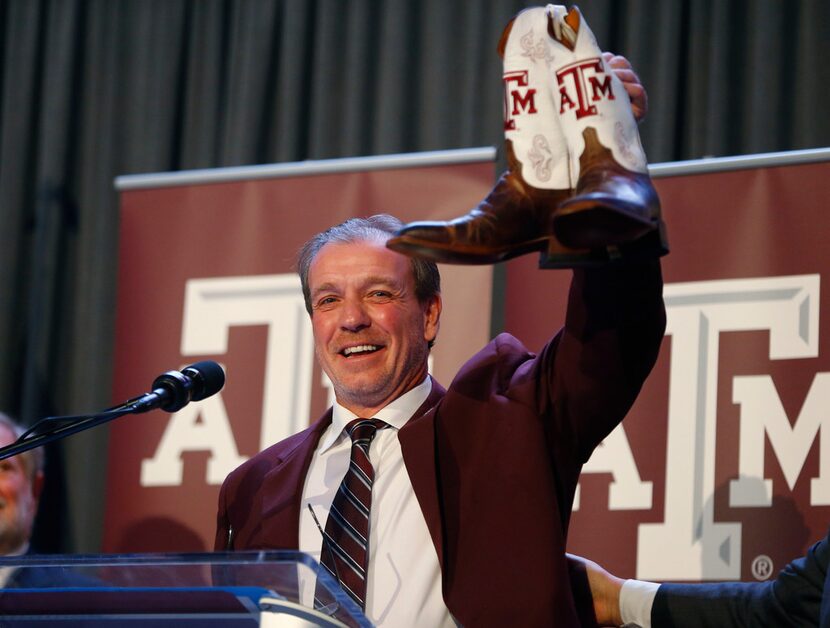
x=636, y=600
x=403, y=586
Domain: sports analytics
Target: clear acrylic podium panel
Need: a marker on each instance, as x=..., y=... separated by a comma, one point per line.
x=228, y=589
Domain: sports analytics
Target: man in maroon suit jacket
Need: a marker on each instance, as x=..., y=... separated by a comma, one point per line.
x=493, y=460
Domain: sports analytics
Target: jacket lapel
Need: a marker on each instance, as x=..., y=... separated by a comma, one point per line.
x=417, y=440
x=282, y=487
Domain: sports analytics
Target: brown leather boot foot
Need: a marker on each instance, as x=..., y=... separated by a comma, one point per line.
x=612, y=205
x=511, y=221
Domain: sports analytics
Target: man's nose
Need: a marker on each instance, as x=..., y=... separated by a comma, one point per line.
x=354, y=316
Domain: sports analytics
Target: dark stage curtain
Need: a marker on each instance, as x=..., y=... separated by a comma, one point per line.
x=92, y=89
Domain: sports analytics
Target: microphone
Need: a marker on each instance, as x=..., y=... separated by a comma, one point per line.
x=173, y=390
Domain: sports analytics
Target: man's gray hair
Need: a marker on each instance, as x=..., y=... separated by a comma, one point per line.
x=378, y=227
x=32, y=459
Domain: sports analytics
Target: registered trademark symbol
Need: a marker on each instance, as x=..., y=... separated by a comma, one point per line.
x=762, y=567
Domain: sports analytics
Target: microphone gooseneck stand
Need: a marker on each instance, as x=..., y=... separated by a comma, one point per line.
x=171, y=392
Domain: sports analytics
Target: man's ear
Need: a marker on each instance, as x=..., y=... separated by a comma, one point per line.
x=432, y=317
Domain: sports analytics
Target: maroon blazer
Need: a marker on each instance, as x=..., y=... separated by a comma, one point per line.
x=494, y=460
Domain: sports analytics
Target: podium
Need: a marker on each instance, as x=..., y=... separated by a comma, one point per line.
x=228, y=589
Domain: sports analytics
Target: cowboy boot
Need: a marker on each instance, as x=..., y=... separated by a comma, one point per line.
x=614, y=202
x=515, y=217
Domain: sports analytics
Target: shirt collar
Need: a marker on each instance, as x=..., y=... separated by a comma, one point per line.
x=396, y=413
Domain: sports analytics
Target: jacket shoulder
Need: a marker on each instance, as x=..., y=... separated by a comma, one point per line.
x=259, y=464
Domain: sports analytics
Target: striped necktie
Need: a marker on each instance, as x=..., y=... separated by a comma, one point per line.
x=345, y=552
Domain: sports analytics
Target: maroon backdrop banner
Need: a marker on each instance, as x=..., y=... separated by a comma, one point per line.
x=722, y=469
x=206, y=272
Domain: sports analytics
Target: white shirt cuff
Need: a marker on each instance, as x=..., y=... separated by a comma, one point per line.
x=636, y=598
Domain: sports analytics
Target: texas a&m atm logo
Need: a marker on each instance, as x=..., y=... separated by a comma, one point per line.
x=689, y=544
x=581, y=85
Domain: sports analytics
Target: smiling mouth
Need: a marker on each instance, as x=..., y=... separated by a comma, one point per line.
x=359, y=350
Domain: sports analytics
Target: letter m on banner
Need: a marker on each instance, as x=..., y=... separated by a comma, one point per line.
x=762, y=413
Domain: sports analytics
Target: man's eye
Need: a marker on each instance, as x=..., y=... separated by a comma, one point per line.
x=326, y=301
x=380, y=293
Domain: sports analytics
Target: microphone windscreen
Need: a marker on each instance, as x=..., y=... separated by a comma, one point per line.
x=208, y=379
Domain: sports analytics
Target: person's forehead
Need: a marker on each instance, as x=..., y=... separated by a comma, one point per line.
x=362, y=258
x=7, y=436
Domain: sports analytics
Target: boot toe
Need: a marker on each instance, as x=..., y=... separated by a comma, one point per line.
x=426, y=231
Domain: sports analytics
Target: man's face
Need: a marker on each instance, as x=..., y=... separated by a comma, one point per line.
x=370, y=331
x=18, y=498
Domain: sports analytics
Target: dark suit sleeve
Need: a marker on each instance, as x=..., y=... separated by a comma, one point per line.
x=792, y=599
x=597, y=364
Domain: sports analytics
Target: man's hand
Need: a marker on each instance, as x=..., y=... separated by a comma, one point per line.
x=605, y=590
x=636, y=92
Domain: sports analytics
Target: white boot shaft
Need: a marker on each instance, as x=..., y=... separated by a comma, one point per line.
x=531, y=121
x=587, y=93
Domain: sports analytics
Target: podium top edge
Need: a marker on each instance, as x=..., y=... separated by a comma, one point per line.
x=246, y=557
x=310, y=167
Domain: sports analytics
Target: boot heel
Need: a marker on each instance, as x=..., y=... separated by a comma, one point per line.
x=651, y=246
x=558, y=255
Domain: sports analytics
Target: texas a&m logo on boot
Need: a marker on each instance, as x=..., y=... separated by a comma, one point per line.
x=581, y=85
x=518, y=97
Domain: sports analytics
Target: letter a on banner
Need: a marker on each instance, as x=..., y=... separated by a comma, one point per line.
x=212, y=307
